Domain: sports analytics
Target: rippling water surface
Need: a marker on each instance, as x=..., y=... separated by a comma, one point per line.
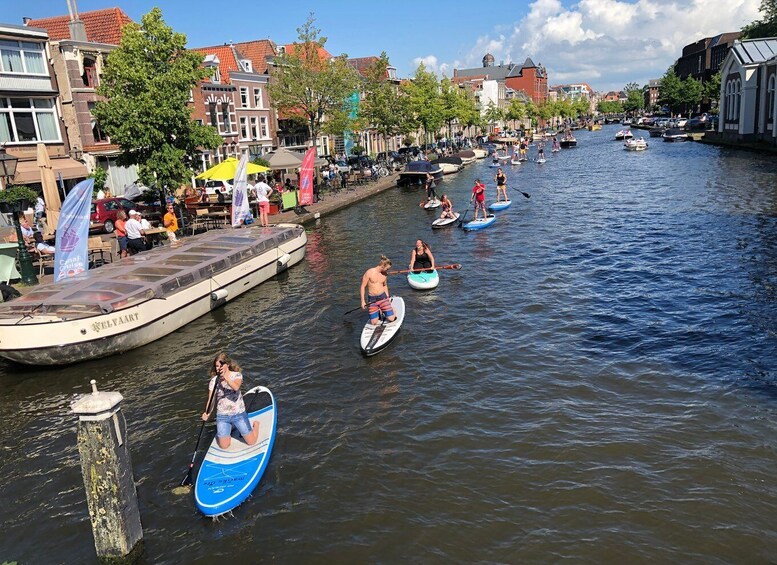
x=597, y=384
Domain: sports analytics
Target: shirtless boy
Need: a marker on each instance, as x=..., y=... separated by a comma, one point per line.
x=374, y=281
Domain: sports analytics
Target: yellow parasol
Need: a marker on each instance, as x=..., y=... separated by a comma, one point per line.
x=50, y=191
x=226, y=170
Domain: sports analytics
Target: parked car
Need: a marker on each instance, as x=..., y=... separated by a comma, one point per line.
x=388, y=156
x=104, y=212
x=680, y=122
x=223, y=186
x=342, y=167
x=413, y=151
x=360, y=162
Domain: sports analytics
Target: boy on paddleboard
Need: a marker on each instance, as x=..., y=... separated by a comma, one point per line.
x=479, y=196
x=376, y=285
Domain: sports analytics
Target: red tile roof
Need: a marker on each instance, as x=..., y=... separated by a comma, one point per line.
x=102, y=26
x=363, y=64
x=227, y=61
x=323, y=54
x=257, y=51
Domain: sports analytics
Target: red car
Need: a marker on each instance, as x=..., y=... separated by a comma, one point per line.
x=104, y=212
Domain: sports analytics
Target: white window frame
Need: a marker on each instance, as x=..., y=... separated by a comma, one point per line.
x=771, y=85
x=254, y=128
x=258, y=100
x=34, y=111
x=264, y=128
x=243, y=128
x=244, y=102
x=22, y=50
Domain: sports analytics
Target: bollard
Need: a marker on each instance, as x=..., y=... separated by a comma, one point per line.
x=108, y=480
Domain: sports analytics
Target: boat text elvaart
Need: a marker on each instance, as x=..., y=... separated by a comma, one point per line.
x=140, y=299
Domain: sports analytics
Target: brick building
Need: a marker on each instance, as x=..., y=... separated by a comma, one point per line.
x=529, y=78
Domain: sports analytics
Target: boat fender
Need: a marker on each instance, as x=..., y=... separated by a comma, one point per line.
x=284, y=259
x=220, y=294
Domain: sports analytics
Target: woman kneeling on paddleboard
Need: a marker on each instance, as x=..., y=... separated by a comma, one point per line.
x=421, y=257
x=447, y=207
x=230, y=409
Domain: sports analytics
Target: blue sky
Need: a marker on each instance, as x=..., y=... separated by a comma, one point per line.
x=605, y=43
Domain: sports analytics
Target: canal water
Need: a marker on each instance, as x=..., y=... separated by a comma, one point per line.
x=597, y=384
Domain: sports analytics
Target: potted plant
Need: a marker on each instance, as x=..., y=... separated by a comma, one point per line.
x=16, y=199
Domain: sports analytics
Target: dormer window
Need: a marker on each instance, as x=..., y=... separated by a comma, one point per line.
x=392, y=73
x=212, y=62
x=247, y=66
x=215, y=76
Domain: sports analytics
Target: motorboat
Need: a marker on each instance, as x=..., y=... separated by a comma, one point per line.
x=480, y=153
x=450, y=165
x=568, y=141
x=594, y=127
x=135, y=301
x=467, y=156
x=675, y=134
x=656, y=132
x=415, y=172
x=635, y=144
x=623, y=134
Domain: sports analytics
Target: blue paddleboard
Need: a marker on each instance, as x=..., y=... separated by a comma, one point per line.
x=500, y=205
x=480, y=223
x=228, y=476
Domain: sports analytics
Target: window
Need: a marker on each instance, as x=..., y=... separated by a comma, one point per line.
x=254, y=128
x=263, y=121
x=90, y=73
x=22, y=57
x=770, y=98
x=258, y=98
x=225, y=117
x=243, y=97
x=214, y=121
x=26, y=120
x=243, y=128
x=97, y=132
x=215, y=75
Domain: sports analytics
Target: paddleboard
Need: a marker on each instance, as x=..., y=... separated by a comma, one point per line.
x=540, y=161
x=443, y=222
x=500, y=205
x=423, y=280
x=432, y=204
x=228, y=476
x=375, y=338
x=554, y=150
x=494, y=165
x=480, y=223
x=518, y=162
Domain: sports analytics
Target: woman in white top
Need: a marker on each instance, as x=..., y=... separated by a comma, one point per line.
x=263, y=192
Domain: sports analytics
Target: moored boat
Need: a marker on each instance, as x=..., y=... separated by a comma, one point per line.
x=450, y=165
x=656, y=132
x=675, y=134
x=623, y=134
x=143, y=298
x=467, y=156
x=480, y=153
x=415, y=172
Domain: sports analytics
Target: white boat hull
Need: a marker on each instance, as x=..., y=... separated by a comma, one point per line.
x=449, y=168
x=480, y=153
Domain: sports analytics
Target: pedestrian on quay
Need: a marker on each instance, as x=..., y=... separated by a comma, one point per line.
x=135, y=234
x=170, y=222
x=121, y=232
x=225, y=382
x=263, y=192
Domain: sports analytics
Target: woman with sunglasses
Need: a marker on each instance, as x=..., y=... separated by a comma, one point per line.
x=230, y=409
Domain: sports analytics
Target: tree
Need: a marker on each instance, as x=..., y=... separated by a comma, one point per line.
x=711, y=89
x=671, y=93
x=765, y=27
x=493, y=114
x=634, y=99
x=383, y=107
x=423, y=93
x=455, y=104
x=147, y=83
x=609, y=107
x=307, y=83
x=516, y=111
x=690, y=94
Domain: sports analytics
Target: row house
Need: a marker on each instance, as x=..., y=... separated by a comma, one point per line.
x=651, y=93
x=574, y=92
x=748, y=92
x=80, y=45
x=31, y=109
x=529, y=77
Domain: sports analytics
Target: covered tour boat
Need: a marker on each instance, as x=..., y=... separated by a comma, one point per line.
x=415, y=172
x=143, y=298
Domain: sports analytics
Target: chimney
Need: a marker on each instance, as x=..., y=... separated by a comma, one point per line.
x=26, y=20
x=77, y=27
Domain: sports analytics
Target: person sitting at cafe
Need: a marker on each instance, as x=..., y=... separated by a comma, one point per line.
x=42, y=247
x=27, y=231
x=144, y=223
x=135, y=232
x=287, y=185
x=170, y=222
x=220, y=197
x=204, y=198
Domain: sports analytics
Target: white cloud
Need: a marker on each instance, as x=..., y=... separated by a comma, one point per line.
x=608, y=42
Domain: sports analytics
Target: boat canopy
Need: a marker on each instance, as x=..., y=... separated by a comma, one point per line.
x=154, y=274
x=421, y=167
x=453, y=160
x=466, y=154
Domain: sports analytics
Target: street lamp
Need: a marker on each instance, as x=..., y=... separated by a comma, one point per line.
x=7, y=171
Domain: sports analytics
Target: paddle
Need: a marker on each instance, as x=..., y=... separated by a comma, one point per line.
x=187, y=480
x=357, y=308
x=454, y=266
x=461, y=219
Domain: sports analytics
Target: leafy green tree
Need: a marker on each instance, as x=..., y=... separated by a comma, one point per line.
x=691, y=94
x=711, y=89
x=307, y=83
x=146, y=83
x=635, y=101
x=423, y=93
x=581, y=107
x=516, y=111
x=456, y=105
x=766, y=26
x=671, y=93
x=493, y=114
x=383, y=107
x=100, y=177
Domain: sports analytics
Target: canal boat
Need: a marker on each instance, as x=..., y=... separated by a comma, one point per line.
x=142, y=298
x=467, y=156
x=500, y=205
x=635, y=144
x=480, y=153
x=623, y=134
x=568, y=141
x=444, y=222
x=227, y=477
x=656, y=132
x=375, y=338
x=675, y=134
x=450, y=165
x=415, y=173
x=480, y=223
x=426, y=280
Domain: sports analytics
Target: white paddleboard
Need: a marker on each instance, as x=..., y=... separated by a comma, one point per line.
x=375, y=338
x=443, y=222
x=432, y=204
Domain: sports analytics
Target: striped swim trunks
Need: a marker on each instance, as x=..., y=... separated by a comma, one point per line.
x=380, y=304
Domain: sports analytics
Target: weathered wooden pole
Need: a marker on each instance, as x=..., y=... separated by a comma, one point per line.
x=107, y=471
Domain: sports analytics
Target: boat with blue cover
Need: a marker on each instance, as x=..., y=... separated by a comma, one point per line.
x=415, y=173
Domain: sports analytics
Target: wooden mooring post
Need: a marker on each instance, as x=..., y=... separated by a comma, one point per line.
x=108, y=480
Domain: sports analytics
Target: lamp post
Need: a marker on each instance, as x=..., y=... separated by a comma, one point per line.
x=7, y=171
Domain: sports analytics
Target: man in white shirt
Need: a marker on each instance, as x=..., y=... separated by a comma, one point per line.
x=135, y=233
x=263, y=192
x=40, y=208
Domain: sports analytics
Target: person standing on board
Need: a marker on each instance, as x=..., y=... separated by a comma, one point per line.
x=501, y=184
x=263, y=192
x=479, y=196
x=375, y=283
x=421, y=257
x=430, y=193
x=541, y=150
x=230, y=408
